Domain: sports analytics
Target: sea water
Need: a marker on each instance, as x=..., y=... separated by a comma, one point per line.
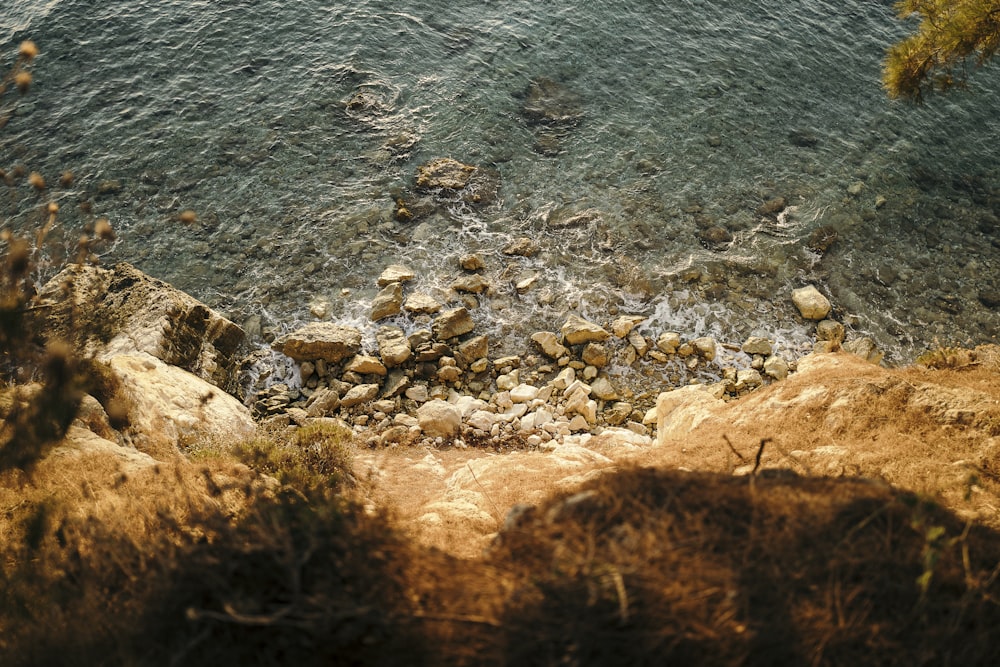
x=292, y=129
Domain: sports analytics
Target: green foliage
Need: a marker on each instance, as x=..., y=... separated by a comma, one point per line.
x=951, y=35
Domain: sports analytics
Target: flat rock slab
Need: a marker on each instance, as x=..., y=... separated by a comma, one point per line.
x=320, y=340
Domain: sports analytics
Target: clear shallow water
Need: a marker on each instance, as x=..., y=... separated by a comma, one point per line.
x=693, y=115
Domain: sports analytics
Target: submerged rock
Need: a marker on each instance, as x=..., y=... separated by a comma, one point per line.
x=549, y=102
x=445, y=174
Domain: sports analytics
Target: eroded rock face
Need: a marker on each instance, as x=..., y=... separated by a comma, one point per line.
x=320, y=340
x=105, y=312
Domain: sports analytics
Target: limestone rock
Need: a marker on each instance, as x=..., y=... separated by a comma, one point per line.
x=577, y=330
x=387, y=302
x=106, y=312
x=320, y=340
x=668, y=342
x=359, y=394
x=830, y=330
x=550, y=345
x=549, y=102
x=418, y=302
x=811, y=304
x=758, y=345
x=705, y=347
x=623, y=325
x=393, y=346
x=776, y=367
x=475, y=348
x=439, y=418
x=451, y=323
x=444, y=173
x=602, y=389
x=638, y=343
x=473, y=284
x=472, y=262
x=365, y=365
x=521, y=247
x=866, y=349
x=395, y=273
x=680, y=411
x=169, y=407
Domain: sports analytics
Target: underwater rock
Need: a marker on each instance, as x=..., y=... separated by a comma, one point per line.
x=445, y=174
x=550, y=102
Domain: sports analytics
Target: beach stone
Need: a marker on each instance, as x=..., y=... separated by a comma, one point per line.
x=638, y=343
x=564, y=379
x=439, y=418
x=418, y=302
x=471, y=262
x=482, y=420
x=473, y=284
x=757, y=345
x=776, y=367
x=550, y=345
x=811, y=304
x=595, y=354
x=623, y=325
x=365, y=365
x=668, y=342
x=323, y=403
x=523, y=393
x=525, y=281
x=395, y=383
x=772, y=206
x=830, y=330
x=395, y=273
x=566, y=217
x=577, y=330
x=748, y=378
x=417, y=393
x=521, y=247
x=602, y=389
x=451, y=323
x=705, y=347
x=320, y=340
x=393, y=346
x=387, y=302
x=474, y=349
x=449, y=374
x=444, y=173
x=359, y=394
x=432, y=351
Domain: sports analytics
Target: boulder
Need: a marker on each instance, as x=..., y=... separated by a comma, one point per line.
x=668, y=342
x=549, y=344
x=451, y=323
x=439, y=418
x=170, y=408
x=705, y=347
x=388, y=302
x=811, y=304
x=623, y=325
x=475, y=348
x=549, y=102
x=359, y=394
x=320, y=340
x=105, y=312
x=473, y=283
x=577, y=330
x=830, y=330
x=365, y=365
x=418, y=302
x=595, y=354
x=445, y=174
x=395, y=273
x=393, y=346
x=758, y=345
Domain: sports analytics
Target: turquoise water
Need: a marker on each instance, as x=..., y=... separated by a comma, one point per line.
x=690, y=116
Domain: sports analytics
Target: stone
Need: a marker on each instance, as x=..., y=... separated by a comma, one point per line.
x=856, y=188
x=623, y=325
x=549, y=102
x=359, y=394
x=523, y=393
x=525, y=281
x=439, y=418
x=449, y=374
x=811, y=304
x=473, y=284
x=776, y=367
x=748, y=378
x=395, y=383
x=772, y=207
x=639, y=343
x=521, y=247
x=830, y=330
x=106, y=312
x=444, y=174
x=451, y=323
x=387, y=302
x=680, y=411
x=705, y=347
x=395, y=273
x=549, y=344
x=757, y=345
x=602, y=389
x=320, y=340
x=323, y=403
x=577, y=330
x=595, y=354
x=418, y=302
x=365, y=365
x=474, y=349
x=417, y=393
x=472, y=262
x=668, y=342
x=393, y=346
x=170, y=408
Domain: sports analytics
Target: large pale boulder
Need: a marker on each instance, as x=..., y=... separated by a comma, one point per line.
x=320, y=340
x=106, y=312
x=578, y=330
x=811, y=304
x=439, y=418
x=170, y=409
